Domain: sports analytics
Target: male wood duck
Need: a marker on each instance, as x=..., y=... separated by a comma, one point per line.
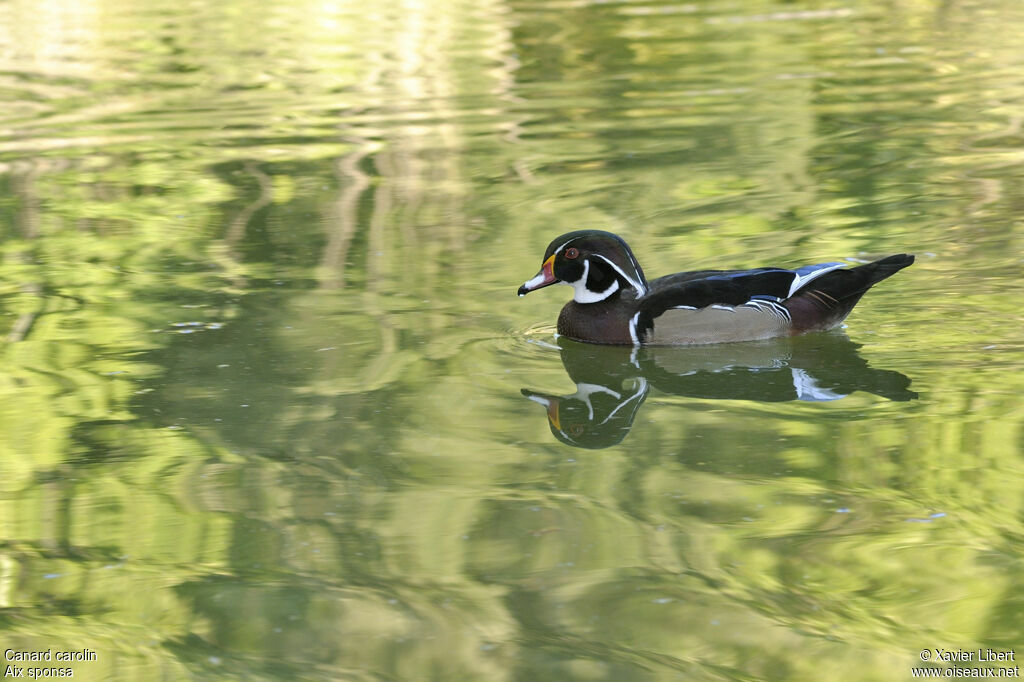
x=613, y=302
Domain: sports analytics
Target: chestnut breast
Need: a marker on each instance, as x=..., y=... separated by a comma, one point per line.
x=603, y=322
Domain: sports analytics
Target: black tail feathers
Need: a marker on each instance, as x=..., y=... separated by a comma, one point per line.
x=887, y=267
x=841, y=285
x=827, y=300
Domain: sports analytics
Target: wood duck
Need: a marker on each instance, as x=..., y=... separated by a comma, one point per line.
x=613, y=303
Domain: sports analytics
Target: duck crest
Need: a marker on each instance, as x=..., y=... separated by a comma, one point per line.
x=603, y=251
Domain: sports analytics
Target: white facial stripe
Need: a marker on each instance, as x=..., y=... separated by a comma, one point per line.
x=559, y=249
x=640, y=288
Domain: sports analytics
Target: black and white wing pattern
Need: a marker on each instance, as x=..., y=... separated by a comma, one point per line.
x=716, y=306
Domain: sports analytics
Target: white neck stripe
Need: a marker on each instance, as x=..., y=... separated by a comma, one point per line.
x=584, y=295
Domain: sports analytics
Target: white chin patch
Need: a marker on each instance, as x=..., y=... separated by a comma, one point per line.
x=584, y=295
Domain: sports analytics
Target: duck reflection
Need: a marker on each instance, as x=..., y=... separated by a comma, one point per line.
x=612, y=382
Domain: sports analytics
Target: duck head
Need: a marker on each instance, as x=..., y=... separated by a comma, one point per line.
x=596, y=264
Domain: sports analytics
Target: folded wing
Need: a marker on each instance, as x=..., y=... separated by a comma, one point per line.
x=716, y=306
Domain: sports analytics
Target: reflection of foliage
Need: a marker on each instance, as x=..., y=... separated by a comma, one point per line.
x=248, y=466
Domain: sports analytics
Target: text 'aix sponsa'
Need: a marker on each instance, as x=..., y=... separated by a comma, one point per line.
x=614, y=303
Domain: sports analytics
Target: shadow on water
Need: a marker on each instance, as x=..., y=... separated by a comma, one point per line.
x=612, y=382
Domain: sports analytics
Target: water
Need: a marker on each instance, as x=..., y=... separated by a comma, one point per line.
x=272, y=410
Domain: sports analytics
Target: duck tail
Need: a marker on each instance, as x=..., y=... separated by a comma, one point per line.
x=827, y=300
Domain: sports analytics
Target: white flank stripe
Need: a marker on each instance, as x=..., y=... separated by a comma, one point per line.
x=632, y=329
x=799, y=282
x=770, y=307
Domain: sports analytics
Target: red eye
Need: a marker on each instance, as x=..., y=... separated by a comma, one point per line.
x=572, y=252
